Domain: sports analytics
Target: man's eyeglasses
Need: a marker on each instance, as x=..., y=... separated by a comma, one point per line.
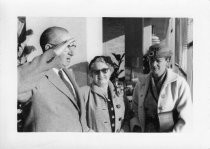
x=97, y=72
x=71, y=44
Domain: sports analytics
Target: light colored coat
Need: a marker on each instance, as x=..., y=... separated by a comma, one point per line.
x=174, y=95
x=97, y=109
x=53, y=107
x=31, y=72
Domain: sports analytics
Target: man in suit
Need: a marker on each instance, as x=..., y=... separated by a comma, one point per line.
x=56, y=103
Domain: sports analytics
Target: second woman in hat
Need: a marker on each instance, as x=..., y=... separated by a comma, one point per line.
x=105, y=109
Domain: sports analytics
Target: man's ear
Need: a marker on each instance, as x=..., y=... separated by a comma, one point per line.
x=47, y=46
x=168, y=60
x=111, y=70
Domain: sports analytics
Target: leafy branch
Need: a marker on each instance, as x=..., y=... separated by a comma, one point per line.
x=117, y=71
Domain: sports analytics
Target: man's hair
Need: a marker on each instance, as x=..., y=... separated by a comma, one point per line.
x=49, y=34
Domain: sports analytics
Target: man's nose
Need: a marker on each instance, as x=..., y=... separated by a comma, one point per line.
x=71, y=52
x=100, y=74
x=154, y=63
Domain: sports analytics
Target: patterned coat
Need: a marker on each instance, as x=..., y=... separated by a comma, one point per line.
x=97, y=109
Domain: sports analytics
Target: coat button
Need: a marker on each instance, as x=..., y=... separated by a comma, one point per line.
x=120, y=118
x=118, y=106
x=141, y=95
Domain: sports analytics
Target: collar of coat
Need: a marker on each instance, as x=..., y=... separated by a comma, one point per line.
x=98, y=90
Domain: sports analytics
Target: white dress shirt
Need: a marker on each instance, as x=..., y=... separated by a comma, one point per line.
x=66, y=78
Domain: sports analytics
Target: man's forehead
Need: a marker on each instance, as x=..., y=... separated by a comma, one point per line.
x=58, y=37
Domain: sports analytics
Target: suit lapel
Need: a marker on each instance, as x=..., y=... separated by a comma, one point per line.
x=145, y=85
x=58, y=83
x=80, y=100
x=70, y=76
x=144, y=81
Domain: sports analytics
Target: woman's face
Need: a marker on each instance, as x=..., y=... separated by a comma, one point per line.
x=101, y=74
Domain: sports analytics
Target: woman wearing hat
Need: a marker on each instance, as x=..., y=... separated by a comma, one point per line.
x=162, y=99
x=105, y=108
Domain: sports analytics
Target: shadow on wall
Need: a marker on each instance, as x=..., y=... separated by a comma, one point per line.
x=81, y=73
x=113, y=28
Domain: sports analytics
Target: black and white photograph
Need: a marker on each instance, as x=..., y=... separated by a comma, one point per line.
x=129, y=87
x=99, y=78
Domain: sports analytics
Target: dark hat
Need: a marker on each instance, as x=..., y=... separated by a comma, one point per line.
x=159, y=50
x=106, y=59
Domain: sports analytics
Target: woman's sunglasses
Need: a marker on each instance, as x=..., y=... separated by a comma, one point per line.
x=97, y=72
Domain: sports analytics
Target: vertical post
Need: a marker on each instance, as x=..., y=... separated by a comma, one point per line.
x=94, y=38
x=134, y=43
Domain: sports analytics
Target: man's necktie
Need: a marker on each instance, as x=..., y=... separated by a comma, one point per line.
x=67, y=83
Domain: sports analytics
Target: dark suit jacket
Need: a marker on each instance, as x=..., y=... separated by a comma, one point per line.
x=53, y=107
